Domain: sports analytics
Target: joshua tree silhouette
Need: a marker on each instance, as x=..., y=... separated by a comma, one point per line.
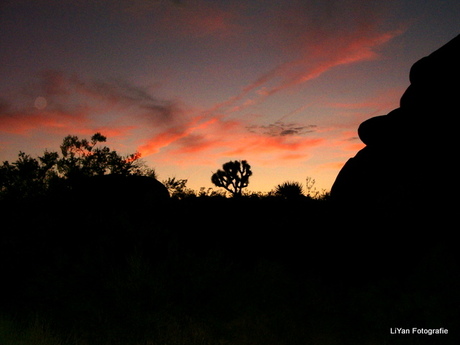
x=234, y=177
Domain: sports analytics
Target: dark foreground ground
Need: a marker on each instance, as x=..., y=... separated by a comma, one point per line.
x=222, y=271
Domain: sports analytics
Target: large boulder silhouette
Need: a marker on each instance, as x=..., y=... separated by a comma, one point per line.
x=109, y=213
x=120, y=192
x=409, y=157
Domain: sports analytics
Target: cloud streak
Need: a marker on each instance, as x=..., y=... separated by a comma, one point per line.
x=196, y=19
x=280, y=128
x=69, y=102
x=23, y=121
x=321, y=37
x=222, y=139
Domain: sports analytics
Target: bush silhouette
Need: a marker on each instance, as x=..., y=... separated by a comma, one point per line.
x=289, y=190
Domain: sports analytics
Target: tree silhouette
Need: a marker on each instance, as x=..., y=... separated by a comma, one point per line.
x=82, y=158
x=177, y=187
x=234, y=177
x=29, y=177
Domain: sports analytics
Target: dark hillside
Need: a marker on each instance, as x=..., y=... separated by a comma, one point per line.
x=215, y=270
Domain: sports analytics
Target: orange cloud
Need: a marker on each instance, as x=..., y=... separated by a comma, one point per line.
x=22, y=121
x=159, y=141
x=258, y=144
x=174, y=135
x=211, y=139
x=72, y=104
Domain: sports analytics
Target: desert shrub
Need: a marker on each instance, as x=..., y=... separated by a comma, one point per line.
x=289, y=190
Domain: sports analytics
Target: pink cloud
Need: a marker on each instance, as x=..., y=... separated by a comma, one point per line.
x=210, y=20
x=58, y=122
x=211, y=139
x=318, y=38
x=259, y=144
x=22, y=121
x=180, y=133
x=159, y=141
x=293, y=156
x=196, y=18
x=385, y=99
x=70, y=103
x=311, y=66
x=306, y=68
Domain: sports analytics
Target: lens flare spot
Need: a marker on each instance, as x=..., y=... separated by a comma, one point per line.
x=40, y=103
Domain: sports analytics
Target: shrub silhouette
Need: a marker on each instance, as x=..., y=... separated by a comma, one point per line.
x=289, y=190
x=177, y=188
x=234, y=177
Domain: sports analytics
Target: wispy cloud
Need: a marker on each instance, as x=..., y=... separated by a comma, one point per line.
x=181, y=19
x=318, y=38
x=217, y=138
x=21, y=121
x=307, y=68
x=68, y=102
x=178, y=133
x=280, y=128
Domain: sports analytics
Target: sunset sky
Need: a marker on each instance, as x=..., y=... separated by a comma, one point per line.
x=192, y=84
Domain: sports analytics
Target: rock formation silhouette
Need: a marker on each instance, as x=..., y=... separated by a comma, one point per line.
x=410, y=153
x=116, y=196
x=120, y=191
